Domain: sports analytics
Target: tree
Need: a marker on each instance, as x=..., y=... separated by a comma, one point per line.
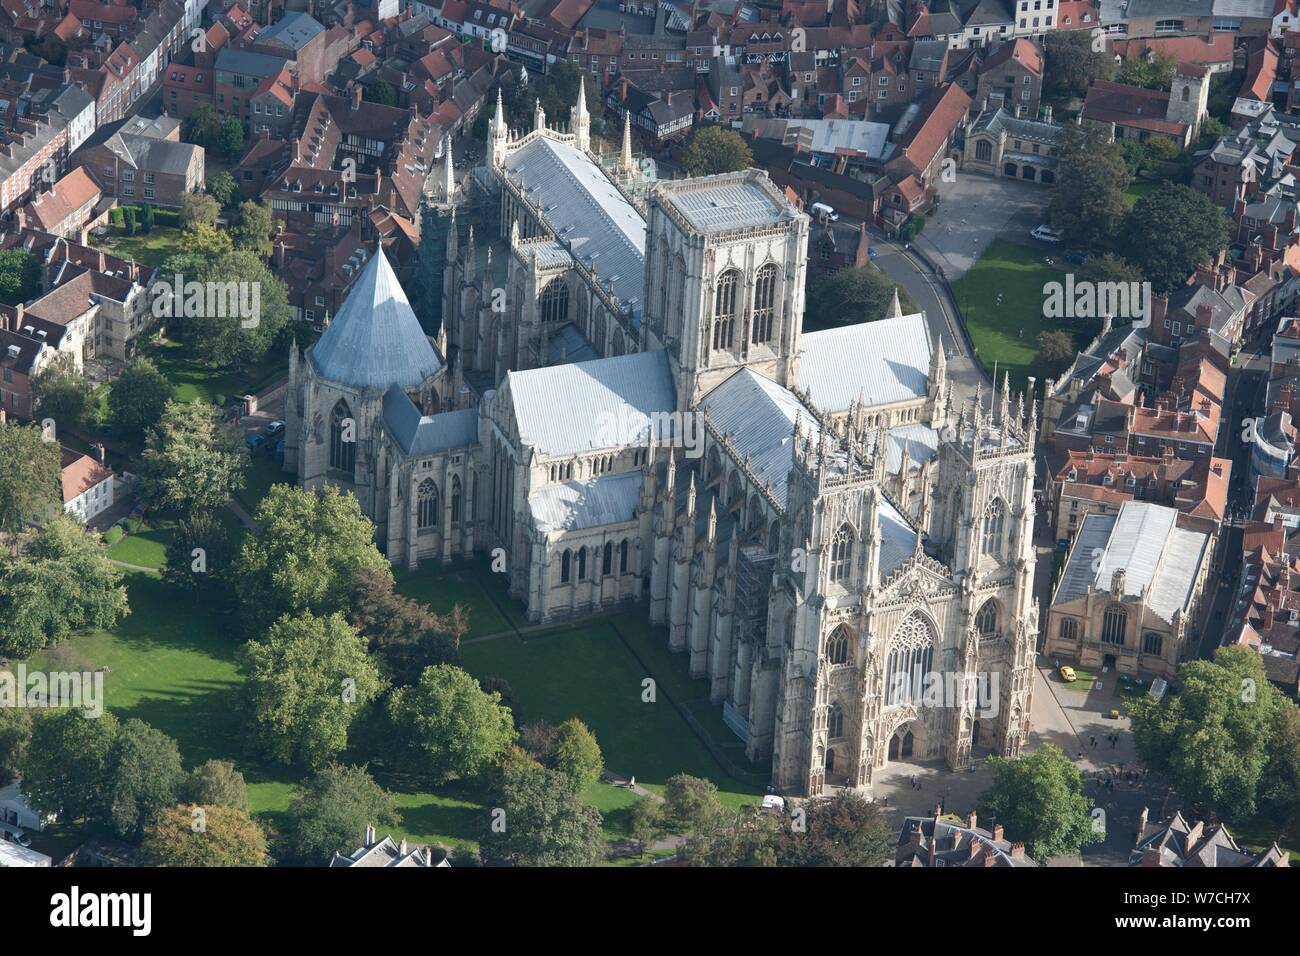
x=1039, y=798
x=216, y=783
x=1109, y=267
x=255, y=229
x=1214, y=737
x=381, y=92
x=332, y=810
x=246, y=308
x=851, y=296
x=845, y=830
x=20, y=276
x=1072, y=65
x=137, y=398
x=1150, y=72
x=63, y=582
x=1212, y=130
x=31, y=480
x=544, y=823
x=305, y=554
x=405, y=635
x=131, y=221
x=61, y=392
x=1056, y=350
x=646, y=822
x=308, y=679
x=1088, y=198
x=690, y=800
x=223, y=188
x=230, y=138
x=198, y=209
x=15, y=738
x=67, y=762
x=716, y=150
x=1170, y=231
x=577, y=756
x=201, y=127
x=1279, y=784
x=142, y=775
x=557, y=90
x=447, y=726
x=146, y=218
x=190, y=835
x=193, y=460
x=726, y=838
x=199, y=557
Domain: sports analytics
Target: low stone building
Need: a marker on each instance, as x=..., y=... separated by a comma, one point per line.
x=1008, y=143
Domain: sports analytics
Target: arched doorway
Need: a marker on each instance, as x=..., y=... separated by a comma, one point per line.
x=1009, y=170
x=901, y=744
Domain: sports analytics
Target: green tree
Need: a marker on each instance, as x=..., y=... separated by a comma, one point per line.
x=31, y=480
x=190, y=836
x=255, y=230
x=1214, y=737
x=20, y=276
x=331, y=811
x=63, y=582
x=381, y=92
x=1072, y=65
x=727, y=838
x=546, y=823
x=1170, y=231
x=146, y=218
x=690, y=800
x=1056, y=350
x=448, y=726
x=405, y=635
x=223, y=188
x=1039, y=799
x=237, y=327
x=193, y=460
x=131, y=220
x=1212, y=130
x=845, y=830
x=308, y=679
x=1152, y=73
x=199, y=557
x=216, y=783
x=142, y=775
x=851, y=296
x=137, y=398
x=15, y=738
x=646, y=822
x=577, y=755
x=67, y=763
x=198, y=209
x=716, y=150
x=1088, y=198
x=61, y=392
x=201, y=127
x=304, y=555
x=1109, y=267
x=230, y=138
x=1279, y=784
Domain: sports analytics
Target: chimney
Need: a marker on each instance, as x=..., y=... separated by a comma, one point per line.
x=974, y=848
x=99, y=452
x=370, y=836
x=401, y=847
x=1150, y=857
x=971, y=818
x=1018, y=850
x=997, y=833
x=356, y=96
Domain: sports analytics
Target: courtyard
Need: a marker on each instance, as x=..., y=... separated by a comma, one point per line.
x=973, y=212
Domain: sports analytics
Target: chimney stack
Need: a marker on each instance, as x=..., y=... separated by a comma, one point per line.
x=971, y=819
x=370, y=836
x=356, y=96
x=997, y=832
x=1018, y=850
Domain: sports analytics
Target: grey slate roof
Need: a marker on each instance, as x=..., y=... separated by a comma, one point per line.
x=586, y=406
x=591, y=503
x=727, y=202
x=884, y=361
x=251, y=64
x=897, y=538
x=295, y=31
x=425, y=434
x=376, y=341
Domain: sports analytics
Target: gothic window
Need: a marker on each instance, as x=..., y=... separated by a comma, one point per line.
x=1152, y=643
x=911, y=657
x=764, y=304
x=1113, y=622
x=427, y=495
x=622, y=556
x=566, y=563
x=455, y=499
x=837, y=646
x=664, y=286
x=994, y=521
x=724, y=309
x=842, y=553
x=1069, y=630
x=343, y=444
x=986, y=621
x=607, y=559
x=1187, y=93
x=774, y=538
x=984, y=150
x=582, y=564
x=835, y=721
x=555, y=301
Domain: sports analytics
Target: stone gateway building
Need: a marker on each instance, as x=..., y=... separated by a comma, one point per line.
x=622, y=406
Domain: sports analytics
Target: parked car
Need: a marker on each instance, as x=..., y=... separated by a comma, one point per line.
x=1077, y=256
x=18, y=836
x=255, y=442
x=871, y=252
x=1045, y=233
x=274, y=429
x=1067, y=674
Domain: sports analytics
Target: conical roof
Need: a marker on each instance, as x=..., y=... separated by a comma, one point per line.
x=376, y=341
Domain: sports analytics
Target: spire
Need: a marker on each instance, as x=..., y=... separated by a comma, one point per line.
x=539, y=114
x=625, y=164
x=498, y=135
x=1006, y=398
x=499, y=118
x=448, y=174
x=895, y=307
x=581, y=121
x=453, y=240
x=713, y=519
x=514, y=233
x=471, y=255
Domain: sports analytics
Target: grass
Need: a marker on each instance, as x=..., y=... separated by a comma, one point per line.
x=149, y=249
x=261, y=475
x=1083, y=680
x=1005, y=333
x=197, y=381
x=147, y=547
x=1136, y=190
x=471, y=584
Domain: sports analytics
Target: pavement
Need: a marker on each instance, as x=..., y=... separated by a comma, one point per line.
x=972, y=212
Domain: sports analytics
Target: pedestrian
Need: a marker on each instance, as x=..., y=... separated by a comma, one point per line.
x=1092, y=741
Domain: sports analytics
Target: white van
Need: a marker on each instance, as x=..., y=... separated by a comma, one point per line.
x=823, y=211
x=1046, y=234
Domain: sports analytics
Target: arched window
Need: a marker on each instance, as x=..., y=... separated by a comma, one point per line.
x=566, y=563
x=774, y=538
x=1114, y=621
x=986, y=621
x=343, y=439
x=455, y=499
x=1152, y=643
x=764, y=304
x=842, y=553
x=837, y=646
x=427, y=495
x=607, y=559
x=555, y=301
x=622, y=556
x=724, y=309
x=984, y=150
x=994, y=521
x=1187, y=93
x=835, y=721
x=582, y=564
x=911, y=658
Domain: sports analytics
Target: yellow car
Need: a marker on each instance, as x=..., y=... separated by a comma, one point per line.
x=1067, y=674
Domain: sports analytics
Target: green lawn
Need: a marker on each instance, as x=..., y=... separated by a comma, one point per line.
x=149, y=249
x=1004, y=333
x=262, y=474
x=195, y=380
x=148, y=546
x=471, y=584
x=1136, y=190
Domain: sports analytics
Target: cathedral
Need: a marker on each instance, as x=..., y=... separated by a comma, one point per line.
x=621, y=407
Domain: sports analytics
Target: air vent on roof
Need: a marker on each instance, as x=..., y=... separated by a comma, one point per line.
x=14, y=350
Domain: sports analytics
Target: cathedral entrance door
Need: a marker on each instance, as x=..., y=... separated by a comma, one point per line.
x=830, y=761
x=900, y=745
